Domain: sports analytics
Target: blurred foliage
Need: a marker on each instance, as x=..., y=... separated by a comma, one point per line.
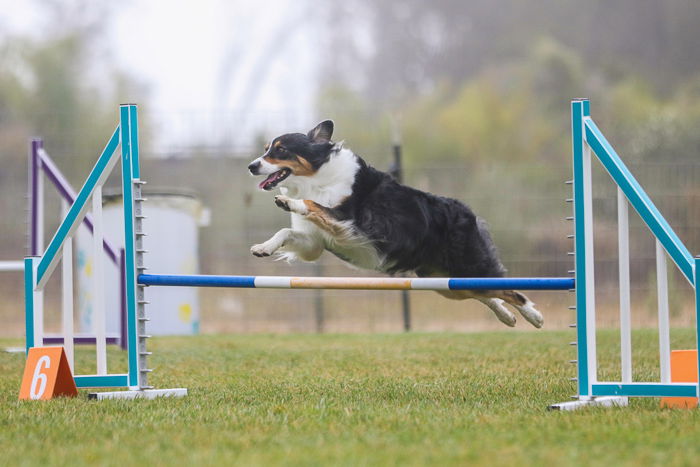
x=396, y=49
x=477, y=90
x=480, y=81
x=482, y=90
x=56, y=86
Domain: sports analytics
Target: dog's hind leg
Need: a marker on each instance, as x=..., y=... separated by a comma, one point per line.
x=495, y=304
x=524, y=305
x=502, y=313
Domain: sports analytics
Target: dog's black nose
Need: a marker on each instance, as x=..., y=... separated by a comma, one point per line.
x=253, y=167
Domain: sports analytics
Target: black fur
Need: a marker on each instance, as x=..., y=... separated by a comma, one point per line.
x=418, y=231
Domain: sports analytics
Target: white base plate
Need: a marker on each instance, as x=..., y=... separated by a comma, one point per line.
x=607, y=401
x=15, y=349
x=144, y=394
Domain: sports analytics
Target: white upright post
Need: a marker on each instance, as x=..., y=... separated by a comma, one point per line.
x=39, y=293
x=67, y=283
x=624, y=271
x=98, y=299
x=662, y=295
x=38, y=311
x=40, y=210
x=590, y=267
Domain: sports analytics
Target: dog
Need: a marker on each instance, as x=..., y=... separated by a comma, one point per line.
x=366, y=218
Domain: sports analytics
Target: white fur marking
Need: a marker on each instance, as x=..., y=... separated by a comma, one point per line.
x=265, y=167
x=331, y=184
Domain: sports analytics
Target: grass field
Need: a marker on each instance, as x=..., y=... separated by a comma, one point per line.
x=398, y=399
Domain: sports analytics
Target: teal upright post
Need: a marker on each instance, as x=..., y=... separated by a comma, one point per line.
x=577, y=114
x=697, y=315
x=127, y=134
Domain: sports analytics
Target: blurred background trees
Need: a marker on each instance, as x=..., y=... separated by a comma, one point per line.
x=485, y=87
x=478, y=67
x=58, y=85
x=479, y=91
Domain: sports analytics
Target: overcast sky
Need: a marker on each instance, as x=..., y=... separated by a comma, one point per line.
x=218, y=71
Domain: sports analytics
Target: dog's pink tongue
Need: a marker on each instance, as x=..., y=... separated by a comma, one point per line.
x=265, y=182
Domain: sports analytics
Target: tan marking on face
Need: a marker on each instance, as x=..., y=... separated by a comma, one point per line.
x=267, y=146
x=278, y=144
x=299, y=166
x=305, y=166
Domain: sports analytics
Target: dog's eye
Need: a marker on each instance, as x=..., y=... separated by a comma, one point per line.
x=284, y=152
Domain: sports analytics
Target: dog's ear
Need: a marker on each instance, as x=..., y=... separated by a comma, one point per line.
x=322, y=133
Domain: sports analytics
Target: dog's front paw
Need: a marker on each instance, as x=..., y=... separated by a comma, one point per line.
x=292, y=205
x=260, y=250
x=283, y=202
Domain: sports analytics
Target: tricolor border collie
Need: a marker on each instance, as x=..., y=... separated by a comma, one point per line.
x=366, y=218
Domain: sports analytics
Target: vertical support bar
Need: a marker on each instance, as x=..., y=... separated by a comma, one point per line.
x=586, y=368
x=37, y=237
x=696, y=280
x=406, y=308
x=38, y=309
x=134, y=145
x=123, y=334
x=30, y=265
x=397, y=171
x=34, y=176
x=67, y=285
x=98, y=299
x=662, y=296
x=318, y=301
x=129, y=244
x=40, y=212
x=624, y=272
x=590, y=266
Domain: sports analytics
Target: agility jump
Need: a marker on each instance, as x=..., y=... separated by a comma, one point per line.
x=357, y=283
x=586, y=136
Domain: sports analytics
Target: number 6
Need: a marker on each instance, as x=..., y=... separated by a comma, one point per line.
x=39, y=377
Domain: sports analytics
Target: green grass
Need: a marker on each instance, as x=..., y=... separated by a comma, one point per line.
x=415, y=399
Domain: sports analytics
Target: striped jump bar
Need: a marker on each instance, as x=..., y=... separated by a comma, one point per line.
x=358, y=283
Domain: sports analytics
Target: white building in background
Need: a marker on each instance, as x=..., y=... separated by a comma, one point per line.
x=172, y=221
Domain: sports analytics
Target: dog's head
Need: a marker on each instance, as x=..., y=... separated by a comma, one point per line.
x=294, y=155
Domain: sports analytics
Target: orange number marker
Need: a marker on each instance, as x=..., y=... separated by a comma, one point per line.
x=684, y=369
x=47, y=375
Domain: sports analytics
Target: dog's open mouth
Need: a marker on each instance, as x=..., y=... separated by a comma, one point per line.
x=272, y=180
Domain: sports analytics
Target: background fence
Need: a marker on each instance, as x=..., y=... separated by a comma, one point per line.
x=523, y=203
